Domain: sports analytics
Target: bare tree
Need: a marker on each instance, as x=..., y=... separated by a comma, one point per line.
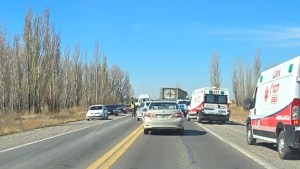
x=248, y=83
x=256, y=68
x=238, y=82
x=215, y=79
x=36, y=76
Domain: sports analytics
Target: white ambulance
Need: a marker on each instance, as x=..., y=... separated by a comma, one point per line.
x=209, y=103
x=274, y=108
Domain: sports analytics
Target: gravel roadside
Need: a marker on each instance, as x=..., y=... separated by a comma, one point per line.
x=236, y=134
x=27, y=137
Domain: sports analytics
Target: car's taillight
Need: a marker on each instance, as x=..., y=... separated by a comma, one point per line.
x=295, y=112
x=177, y=115
x=149, y=114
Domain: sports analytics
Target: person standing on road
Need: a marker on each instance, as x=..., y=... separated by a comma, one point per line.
x=133, y=108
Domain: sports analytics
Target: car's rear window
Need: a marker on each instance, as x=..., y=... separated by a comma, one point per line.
x=96, y=108
x=159, y=106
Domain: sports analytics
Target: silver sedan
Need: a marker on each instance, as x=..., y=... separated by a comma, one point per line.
x=163, y=115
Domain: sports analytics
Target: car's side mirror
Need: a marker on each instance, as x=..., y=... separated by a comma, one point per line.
x=248, y=104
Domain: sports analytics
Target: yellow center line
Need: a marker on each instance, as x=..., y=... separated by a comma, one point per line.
x=113, y=151
x=121, y=151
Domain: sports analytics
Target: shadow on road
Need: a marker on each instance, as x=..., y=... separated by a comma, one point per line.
x=176, y=133
x=219, y=123
x=194, y=133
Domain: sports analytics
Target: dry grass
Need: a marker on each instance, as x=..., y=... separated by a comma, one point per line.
x=238, y=114
x=13, y=122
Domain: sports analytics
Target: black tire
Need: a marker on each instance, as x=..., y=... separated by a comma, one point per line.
x=146, y=131
x=137, y=119
x=181, y=131
x=284, y=151
x=88, y=119
x=198, y=119
x=188, y=118
x=250, y=139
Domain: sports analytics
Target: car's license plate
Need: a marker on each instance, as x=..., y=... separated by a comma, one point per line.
x=222, y=111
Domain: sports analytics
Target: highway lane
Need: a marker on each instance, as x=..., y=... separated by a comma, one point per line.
x=164, y=150
x=196, y=149
x=74, y=150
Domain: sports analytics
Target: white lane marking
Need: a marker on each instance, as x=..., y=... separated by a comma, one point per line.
x=23, y=145
x=240, y=149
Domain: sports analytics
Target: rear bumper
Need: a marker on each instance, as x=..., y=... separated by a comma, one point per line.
x=214, y=117
x=94, y=117
x=164, y=125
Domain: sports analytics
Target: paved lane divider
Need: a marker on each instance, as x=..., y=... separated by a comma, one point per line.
x=109, y=158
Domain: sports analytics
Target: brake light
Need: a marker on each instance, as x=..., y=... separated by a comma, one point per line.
x=295, y=112
x=177, y=115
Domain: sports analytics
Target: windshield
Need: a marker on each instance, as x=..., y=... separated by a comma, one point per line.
x=163, y=105
x=216, y=99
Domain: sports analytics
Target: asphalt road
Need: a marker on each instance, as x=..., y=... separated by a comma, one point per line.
x=195, y=149
x=74, y=150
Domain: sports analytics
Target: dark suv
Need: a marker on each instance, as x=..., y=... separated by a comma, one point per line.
x=111, y=109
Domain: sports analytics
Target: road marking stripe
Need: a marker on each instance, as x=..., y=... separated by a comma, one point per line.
x=113, y=151
x=121, y=151
x=260, y=161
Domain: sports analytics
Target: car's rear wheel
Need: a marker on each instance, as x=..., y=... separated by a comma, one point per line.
x=88, y=119
x=284, y=151
x=146, y=131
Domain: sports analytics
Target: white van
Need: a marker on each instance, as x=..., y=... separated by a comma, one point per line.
x=274, y=108
x=209, y=103
x=143, y=98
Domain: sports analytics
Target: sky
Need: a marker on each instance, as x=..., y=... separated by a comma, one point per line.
x=169, y=43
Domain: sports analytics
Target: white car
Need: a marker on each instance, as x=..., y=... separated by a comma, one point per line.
x=143, y=108
x=163, y=115
x=96, y=112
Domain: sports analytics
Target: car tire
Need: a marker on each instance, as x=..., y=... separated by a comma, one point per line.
x=88, y=119
x=188, y=118
x=250, y=139
x=137, y=119
x=181, y=131
x=146, y=131
x=284, y=151
x=198, y=119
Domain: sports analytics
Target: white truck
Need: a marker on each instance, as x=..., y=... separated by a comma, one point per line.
x=143, y=98
x=274, y=108
x=209, y=103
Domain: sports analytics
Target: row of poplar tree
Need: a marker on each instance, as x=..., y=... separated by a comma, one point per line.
x=37, y=76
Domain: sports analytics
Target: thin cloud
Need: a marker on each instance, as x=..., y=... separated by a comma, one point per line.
x=284, y=37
